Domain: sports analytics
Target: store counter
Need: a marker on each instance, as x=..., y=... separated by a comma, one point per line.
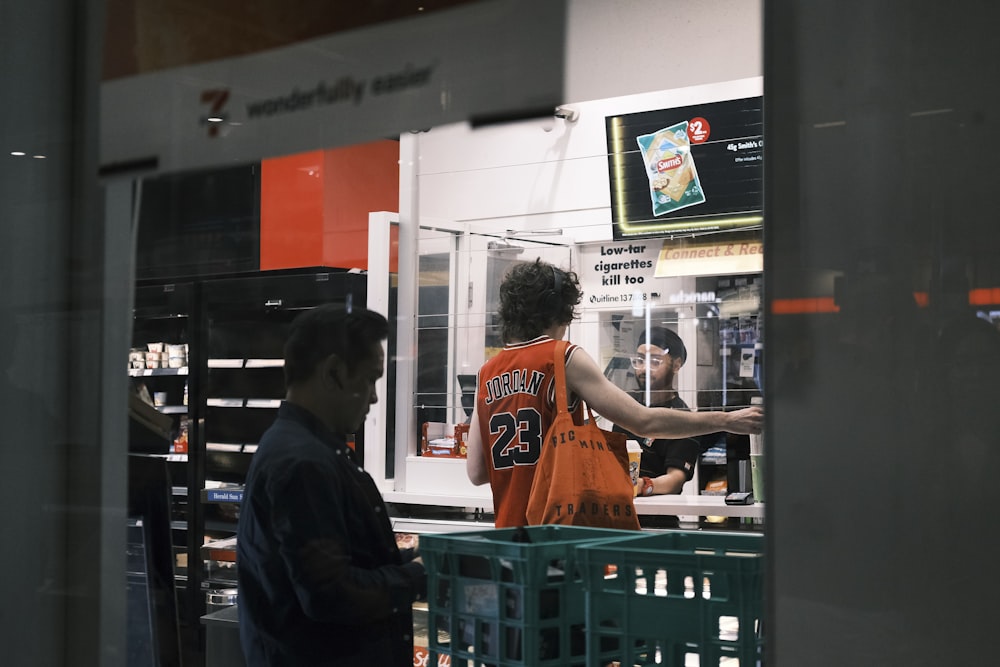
x=683, y=505
x=672, y=505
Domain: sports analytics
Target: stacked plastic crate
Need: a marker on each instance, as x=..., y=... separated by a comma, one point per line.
x=563, y=596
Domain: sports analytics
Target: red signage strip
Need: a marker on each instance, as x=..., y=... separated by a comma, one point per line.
x=986, y=296
x=823, y=304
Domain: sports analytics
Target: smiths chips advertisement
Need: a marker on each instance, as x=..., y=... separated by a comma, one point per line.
x=688, y=169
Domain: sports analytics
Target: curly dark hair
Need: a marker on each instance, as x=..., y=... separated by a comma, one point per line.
x=535, y=296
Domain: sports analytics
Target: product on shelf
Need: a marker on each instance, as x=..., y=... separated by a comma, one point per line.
x=435, y=441
x=158, y=355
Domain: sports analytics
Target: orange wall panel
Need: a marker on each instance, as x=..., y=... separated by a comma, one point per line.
x=315, y=205
x=359, y=179
x=291, y=211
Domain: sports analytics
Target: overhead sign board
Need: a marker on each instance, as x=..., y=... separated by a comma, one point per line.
x=682, y=259
x=477, y=62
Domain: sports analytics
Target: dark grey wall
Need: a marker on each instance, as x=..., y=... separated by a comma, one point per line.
x=64, y=280
x=882, y=131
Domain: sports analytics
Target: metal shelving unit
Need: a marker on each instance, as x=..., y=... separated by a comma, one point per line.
x=235, y=385
x=242, y=328
x=163, y=313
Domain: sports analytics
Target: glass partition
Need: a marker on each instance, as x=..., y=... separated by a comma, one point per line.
x=459, y=277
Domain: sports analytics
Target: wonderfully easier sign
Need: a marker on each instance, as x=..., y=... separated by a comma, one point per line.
x=478, y=62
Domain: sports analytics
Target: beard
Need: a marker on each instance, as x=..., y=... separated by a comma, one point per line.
x=666, y=383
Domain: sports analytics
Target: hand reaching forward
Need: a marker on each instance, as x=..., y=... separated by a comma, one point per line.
x=747, y=420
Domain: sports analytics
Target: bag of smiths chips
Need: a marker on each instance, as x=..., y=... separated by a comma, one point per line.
x=673, y=179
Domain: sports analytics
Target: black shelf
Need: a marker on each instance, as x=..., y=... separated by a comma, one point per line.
x=150, y=372
x=244, y=375
x=165, y=313
x=234, y=327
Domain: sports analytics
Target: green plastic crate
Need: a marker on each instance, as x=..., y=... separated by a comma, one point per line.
x=654, y=599
x=509, y=597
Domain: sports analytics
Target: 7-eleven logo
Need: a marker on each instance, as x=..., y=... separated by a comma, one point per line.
x=216, y=99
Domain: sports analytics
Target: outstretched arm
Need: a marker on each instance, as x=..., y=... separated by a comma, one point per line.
x=670, y=482
x=586, y=380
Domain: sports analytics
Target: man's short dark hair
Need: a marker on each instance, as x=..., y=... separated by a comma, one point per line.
x=666, y=340
x=331, y=329
x=535, y=296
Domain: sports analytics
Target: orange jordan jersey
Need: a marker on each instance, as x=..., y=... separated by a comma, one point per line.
x=515, y=402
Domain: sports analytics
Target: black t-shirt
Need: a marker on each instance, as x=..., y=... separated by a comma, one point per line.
x=662, y=453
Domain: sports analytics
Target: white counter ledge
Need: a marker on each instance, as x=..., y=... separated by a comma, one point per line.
x=684, y=505
x=680, y=505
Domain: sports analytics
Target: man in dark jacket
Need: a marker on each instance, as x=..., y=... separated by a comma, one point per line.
x=321, y=579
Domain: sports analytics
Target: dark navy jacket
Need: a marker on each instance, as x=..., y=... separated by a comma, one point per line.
x=321, y=580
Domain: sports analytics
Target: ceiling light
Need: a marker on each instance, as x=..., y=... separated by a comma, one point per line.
x=38, y=157
x=17, y=153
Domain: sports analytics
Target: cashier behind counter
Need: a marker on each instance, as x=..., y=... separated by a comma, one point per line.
x=666, y=465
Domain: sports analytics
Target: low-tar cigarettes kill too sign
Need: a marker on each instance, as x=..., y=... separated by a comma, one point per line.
x=616, y=275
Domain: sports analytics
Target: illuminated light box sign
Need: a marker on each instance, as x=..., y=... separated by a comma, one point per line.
x=688, y=169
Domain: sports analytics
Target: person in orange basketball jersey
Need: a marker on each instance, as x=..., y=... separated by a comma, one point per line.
x=514, y=392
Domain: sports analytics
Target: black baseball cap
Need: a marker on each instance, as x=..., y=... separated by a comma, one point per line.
x=666, y=340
